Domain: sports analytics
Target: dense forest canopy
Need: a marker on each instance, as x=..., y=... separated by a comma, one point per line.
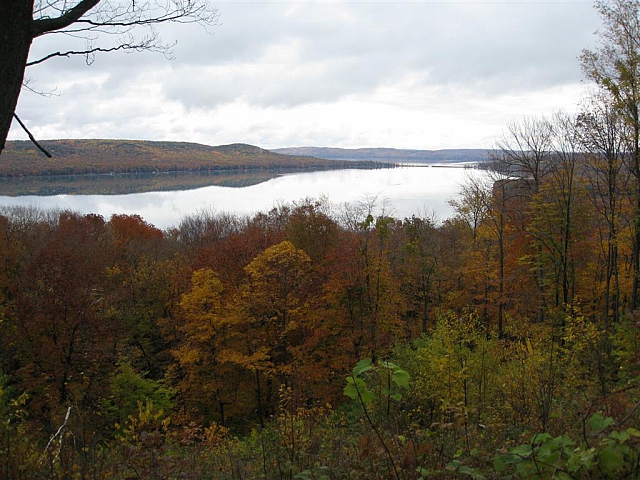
x=318, y=341
x=167, y=349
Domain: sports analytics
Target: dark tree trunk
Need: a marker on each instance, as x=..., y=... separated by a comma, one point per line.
x=16, y=35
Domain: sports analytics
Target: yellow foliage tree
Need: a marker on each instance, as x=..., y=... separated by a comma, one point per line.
x=201, y=374
x=272, y=304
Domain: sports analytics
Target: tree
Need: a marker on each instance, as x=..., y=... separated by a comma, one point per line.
x=564, y=192
x=482, y=205
x=523, y=154
x=602, y=134
x=312, y=229
x=271, y=320
x=205, y=328
x=277, y=285
x=420, y=268
x=615, y=67
x=62, y=340
x=87, y=21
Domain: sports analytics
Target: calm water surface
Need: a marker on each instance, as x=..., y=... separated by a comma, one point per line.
x=405, y=191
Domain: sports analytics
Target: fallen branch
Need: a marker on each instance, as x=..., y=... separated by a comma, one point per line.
x=56, y=435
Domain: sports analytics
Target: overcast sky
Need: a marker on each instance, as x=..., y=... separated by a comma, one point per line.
x=412, y=74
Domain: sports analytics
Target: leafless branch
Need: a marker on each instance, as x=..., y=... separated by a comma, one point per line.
x=89, y=52
x=92, y=19
x=43, y=150
x=44, y=25
x=51, y=93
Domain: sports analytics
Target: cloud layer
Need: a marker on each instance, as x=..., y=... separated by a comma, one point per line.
x=401, y=74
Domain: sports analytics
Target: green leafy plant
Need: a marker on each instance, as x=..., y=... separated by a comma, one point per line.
x=615, y=455
x=395, y=380
x=357, y=389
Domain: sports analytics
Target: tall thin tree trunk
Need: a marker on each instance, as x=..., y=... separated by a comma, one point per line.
x=259, y=399
x=607, y=284
x=636, y=251
x=540, y=280
x=566, y=298
x=615, y=303
x=636, y=173
x=501, y=253
x=425, y=306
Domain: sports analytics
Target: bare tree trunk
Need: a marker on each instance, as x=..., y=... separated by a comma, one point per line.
x=501, y=276
x=16, y=24
x=636, y=240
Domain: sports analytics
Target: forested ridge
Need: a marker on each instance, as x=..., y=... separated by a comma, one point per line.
x=391, y=154
x=73, y=157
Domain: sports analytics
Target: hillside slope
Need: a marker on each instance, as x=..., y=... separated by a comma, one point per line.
x=21, y=158
x=390, y=154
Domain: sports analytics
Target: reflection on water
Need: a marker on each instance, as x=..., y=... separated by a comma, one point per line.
x=126, y=183
x=406, y=191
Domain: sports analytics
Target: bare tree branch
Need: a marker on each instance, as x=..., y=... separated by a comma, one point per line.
x=51, y=93
x=44, y=25
x=119, y=20
x=179, y=16
x=89, y=52
x=35, y=142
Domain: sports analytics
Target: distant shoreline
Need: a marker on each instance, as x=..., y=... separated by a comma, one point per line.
x=110, y=157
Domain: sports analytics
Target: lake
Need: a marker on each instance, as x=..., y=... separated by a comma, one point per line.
x=404, y=191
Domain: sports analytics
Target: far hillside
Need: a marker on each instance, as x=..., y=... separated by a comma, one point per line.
x=391, y=154
x=73, y=157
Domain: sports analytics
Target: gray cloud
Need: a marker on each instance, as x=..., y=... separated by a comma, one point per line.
x=286, y=55
x=341, y=49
